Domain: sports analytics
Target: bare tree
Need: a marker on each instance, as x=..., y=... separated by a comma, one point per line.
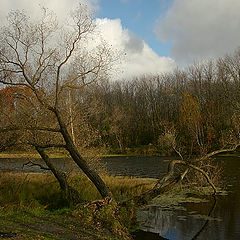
x=48, y=59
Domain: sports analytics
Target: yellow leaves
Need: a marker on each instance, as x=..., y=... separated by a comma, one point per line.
x=190, y=110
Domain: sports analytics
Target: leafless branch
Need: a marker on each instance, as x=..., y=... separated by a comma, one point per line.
x=214, y=153
x=205, y=175
x=181, y=162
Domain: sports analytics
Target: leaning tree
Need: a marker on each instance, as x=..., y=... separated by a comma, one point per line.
x=43, y=61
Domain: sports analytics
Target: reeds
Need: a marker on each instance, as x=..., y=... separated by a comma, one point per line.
x=21, y=189
x=25, y=198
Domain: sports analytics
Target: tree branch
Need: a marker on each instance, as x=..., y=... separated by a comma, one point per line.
x=205, y=175
x=63, y=63
x=181, y=162
x=218, y=152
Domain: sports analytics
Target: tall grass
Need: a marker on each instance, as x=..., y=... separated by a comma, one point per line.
x=25, y=196
x=21, y=189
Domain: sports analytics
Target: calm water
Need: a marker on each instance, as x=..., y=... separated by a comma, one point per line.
x=181, y=224
x=157, y=223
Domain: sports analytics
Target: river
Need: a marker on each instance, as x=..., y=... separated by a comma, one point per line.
x=191, y=222
x=223, y=222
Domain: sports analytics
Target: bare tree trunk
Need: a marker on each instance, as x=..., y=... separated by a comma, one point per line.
x=78, y=159
x=70, y=193
x=71, y=115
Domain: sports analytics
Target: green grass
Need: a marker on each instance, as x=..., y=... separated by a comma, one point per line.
x=30, y=224
x=32, y=202
x=33, y=188
x=31, y=154
x=145, y=150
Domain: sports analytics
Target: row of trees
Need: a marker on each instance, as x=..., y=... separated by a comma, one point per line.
x=197, y=107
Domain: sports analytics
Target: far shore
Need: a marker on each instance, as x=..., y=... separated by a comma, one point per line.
x=62, y=155
x=22, y=154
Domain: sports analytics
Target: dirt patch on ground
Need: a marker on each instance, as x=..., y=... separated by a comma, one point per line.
x=33, y=227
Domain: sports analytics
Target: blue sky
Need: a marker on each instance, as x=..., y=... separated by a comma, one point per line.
x=140, y=17
x=184, y=30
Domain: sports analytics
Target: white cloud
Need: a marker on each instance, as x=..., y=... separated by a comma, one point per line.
x=60, y=7
x=200, y=29
x=139, y=59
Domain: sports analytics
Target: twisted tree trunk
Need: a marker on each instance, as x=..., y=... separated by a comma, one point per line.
x=78, y=159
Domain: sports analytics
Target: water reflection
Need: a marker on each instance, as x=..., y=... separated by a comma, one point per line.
x=176, y=225
x=198, y=234
x=154, y=219
x=188, y=223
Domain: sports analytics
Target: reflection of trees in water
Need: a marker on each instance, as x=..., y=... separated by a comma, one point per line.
x=156, y=220
x=228, y=208
x=198, y=234
x=173, y=225
x=170, y=224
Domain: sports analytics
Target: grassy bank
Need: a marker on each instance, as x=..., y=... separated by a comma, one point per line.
x=30, y=154
x=143, y=150
x=32, y=207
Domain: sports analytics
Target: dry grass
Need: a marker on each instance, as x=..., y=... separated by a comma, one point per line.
x=22, y=188
x=30, y=202
x=19, y=155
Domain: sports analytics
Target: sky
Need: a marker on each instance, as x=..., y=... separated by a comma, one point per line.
x=156, y=35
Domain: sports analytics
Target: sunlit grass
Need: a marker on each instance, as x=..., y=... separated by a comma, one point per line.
x=31, y=154
x=21, y=188
x=33, y=199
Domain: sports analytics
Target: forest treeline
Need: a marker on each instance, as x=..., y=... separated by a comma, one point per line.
x=197, y=109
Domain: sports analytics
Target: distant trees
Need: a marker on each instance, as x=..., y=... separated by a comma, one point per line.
x=201, y=102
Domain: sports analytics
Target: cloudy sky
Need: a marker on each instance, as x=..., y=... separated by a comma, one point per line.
x=156, y=35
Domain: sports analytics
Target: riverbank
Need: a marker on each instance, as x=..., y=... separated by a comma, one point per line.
x=144, y=150
x=133, y=152
x=32, y=207
x=23, y=154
